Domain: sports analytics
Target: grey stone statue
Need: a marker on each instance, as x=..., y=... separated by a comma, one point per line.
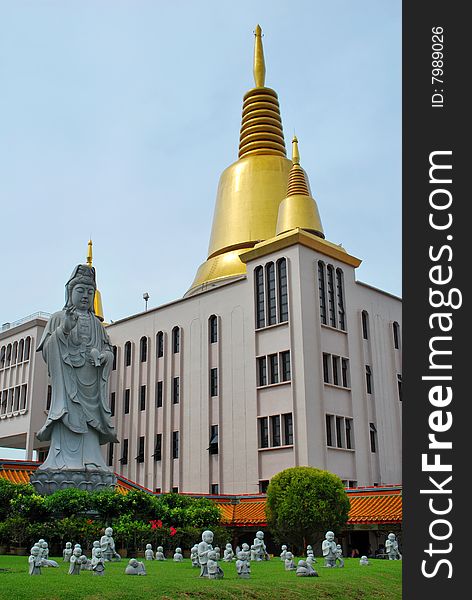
x=204, y=547
x=160, y=553
x=178, y=556
x=34, y=561
x=213, y=569
x=98, y=562
x=284, y=552
x=339, y=556
x=364, y=561
x=243, y=566
x=329, y=549
x=228, y=554
x=107, y=546
x=79, y=356
x=135, y=567
x=391, y=547
x=67, y=552
x=289, y=564
x=194, y=556
x=148, y=553
x=44, y=554
x=305, y=570
x=76, y=561
x=96, y=546
x=258, y=549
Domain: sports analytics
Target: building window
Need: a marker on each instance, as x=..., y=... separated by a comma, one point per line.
x=282, y=289
x=143, y=345
x=214, y=382
x=175, y=390
x=326, y=367
x=2, y=357
x=271, y=301
x=340, y=295
x=263, y=432
x=331, y=303
x=111, y=447
x=8, y=355
x=214, y=489
x=158, y=394
x=273, y=368
x=124, y=453
x=176, y=340
x=345, y=372
x=24, y=391
x=396, y=335
x=322, y=292
x=368, y=379
x=21, y=348
x=158, y=447
x=339, y=437
x=348, y=427
x=160, y=344
x=142, y=398
x=175, y=490
x=373, y=437
x=115, y=353
x=287, y=420
x=175, y=444
x=127, y=354
x=285, y=364
x=365, y=324
x=336, y=365
x=112, y=403
x=15, y=352
x=27, y=348
x=260, y=297
x=140, y=457
x=48, y=397
x=3, y=402
x=329, y=430
x=262, y=370
x=17, y=398
x=399, y=383
x=263, y=485
x=213, y=329
x=275, y=430
x=213, y=447
x=126, y=401
x=157, y=490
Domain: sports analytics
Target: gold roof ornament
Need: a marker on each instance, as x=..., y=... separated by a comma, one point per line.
x=298, y=209
x=97, y=301
x=251, y=189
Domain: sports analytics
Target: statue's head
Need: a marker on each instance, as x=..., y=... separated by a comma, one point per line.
x=80, y=289
x=284, y=547
x=212, y=555
x=44, y=545
x=178, y=550
x=364, y=557
x=160, y=549
x=228, y=546
x=109, y=531
x=96, y=544
x=77, y=551
x=391, y=536
x=302, y=563
x=68, y=545
x=133, y=562
x=35, y=550
x=338, y=546
x=98, y=552
x=148, y=547
x=245, y=547
x=260, y=535
x=329, y=536
x=289, y=555
x=207, y=536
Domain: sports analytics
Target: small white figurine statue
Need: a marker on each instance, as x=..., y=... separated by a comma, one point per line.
x=228, y=554
x=194, y=556
x=329, y=549
x=204, y=547
x=76, y=561
x=339, y=556
x=85, y=564
x=213, y=569
x=309, y=549
x=258, y=549
x=391, y=547
x=44, y=554
x=305, y=570
x=217, y=552
x=148, y=553
x=96, y=546
x=284, y=552
x=34, y=561
x=245, y=548
x=243, y=566
x=98, y=562
x=310, y=559
x=107, y=545
x=160, y=553
x=67, y=552
x=178, y=556
x=363, y=561
x=135, y=567
x=289, y=564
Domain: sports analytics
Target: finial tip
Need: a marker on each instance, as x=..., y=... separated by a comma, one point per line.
x=295, y=153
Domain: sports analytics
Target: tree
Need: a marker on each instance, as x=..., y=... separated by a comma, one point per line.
x=303, y=503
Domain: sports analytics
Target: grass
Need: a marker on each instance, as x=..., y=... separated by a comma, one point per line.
x=381, y=580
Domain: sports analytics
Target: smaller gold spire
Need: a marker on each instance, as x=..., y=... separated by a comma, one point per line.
x=97, y=301
x=295, y=152
x=89, y=253
x=259, y=63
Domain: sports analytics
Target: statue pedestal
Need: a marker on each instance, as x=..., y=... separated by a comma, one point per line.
x=48, y=481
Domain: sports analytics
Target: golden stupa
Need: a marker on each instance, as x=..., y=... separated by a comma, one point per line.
x=97, y=300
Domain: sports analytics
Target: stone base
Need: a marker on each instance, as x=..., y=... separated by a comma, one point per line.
x=48, y=481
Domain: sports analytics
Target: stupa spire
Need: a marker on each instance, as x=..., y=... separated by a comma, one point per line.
x=97, y=301
x=259, y=63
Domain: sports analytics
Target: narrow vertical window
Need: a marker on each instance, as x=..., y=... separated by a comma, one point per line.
x=285, y=363
x=158, y=447
x=142, y=398
x=127, y=354
x=2, y=357
x=158, y=394
x=21, y=347
x=175, y=444
x=282, y=289
x=331, y=303
x=15, y=353
x=329, y=431
x=322, y=292
x=143, y=344
x=336, y=370
x=115, y=354
x=345, y=372
x=126, y=401
x=271, y=301
x=373, y=437
x=124, y=453
x=288, y=429
x=263, y=432
x=326, y=369
x=140, y=456
x=263, y=485
x=175, y=390
x=213, y=329
x=176, y=340
x=112, y=403
x=368, y=379
x=275, y=427
x=396, y=335
x=273, y=368
x=399, y=382
x=260, y=297
x=48, y=397
x=214, y=489
x=340, y=295
x=160, y=344
x=262, y=370
x=24, y=391
x=3, y=402
x=111, y=446
x=213, y=447
x=17, y=398
x=27, y=348
x=214, y=382
x=339, y=435
x=348, y=424
x=8, y=355
x=365, y=325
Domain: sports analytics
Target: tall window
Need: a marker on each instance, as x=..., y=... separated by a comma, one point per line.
x=368, y=379
x=142, y=398
x=176, y=340
x=21, y=349
x=24, y=391
x=112, y=403
x=348, y=426
x=271, y=301
x=339, y=435
x=214, y=489
x=124, y=453
x=213, y=447
x=262, y=370
x=275, y=429
x=340, y=296
x=326, y=367
x=396, y=334
x=175, y=444
x=336, y=364
x=27, y=347
x=111, y=447
x=158, y=447
x=160, y=344
x=213, y=329
x=127, y=354
x=143, y=345
x=322, y=292
x=214, y=382
x=15, y=353
x=285, y=364
x=331, y=303
x=175, y=390
x=288, y=429
x=158, y=394
x=399, y=383
x=2, y=357
x=329, y=430
x=273, y=368
x=263, y=432
x=365, y=325
x=282, y=289
x=345, y=372
x=115, y=353
x=373, y=437
x=260, y=298
x=126, y=400
x=140, y=456
x=8, y=355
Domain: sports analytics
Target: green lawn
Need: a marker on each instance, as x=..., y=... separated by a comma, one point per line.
x=169, y=580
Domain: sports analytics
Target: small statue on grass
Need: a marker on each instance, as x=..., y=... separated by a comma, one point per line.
x=67, y=552
x=204, y=547
x=243, y=566
x=228, y=554
x=135, y=567
x=160, y=553
x=34, y=561
x=213, y=569
x=97, y=562
x=305, y=570
x=148, y=553
x=178, y=556
x=289, y=564
x=329, y=549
